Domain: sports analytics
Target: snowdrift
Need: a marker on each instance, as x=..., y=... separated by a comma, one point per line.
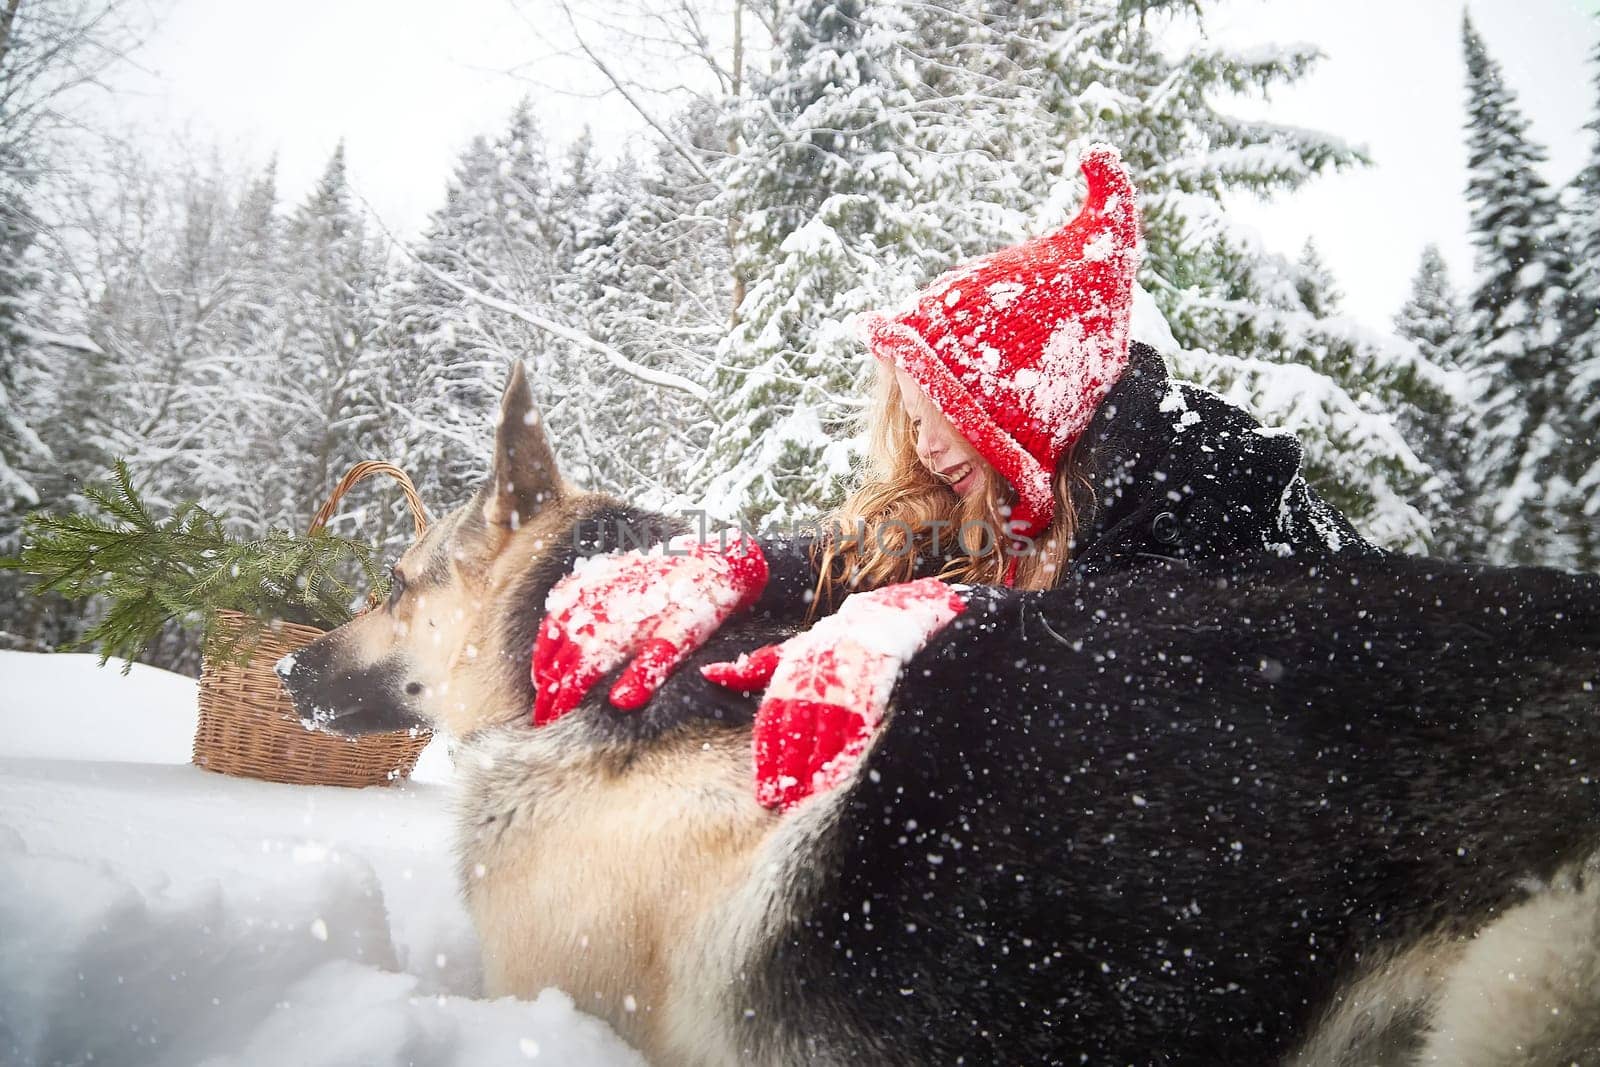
x=155, y=913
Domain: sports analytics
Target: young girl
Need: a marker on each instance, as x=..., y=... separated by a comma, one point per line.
x=1017, y=439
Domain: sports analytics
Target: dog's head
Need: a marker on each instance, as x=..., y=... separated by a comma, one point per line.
x=450, y=647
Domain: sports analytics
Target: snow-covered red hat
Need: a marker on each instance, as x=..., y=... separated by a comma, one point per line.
x=1017, y=348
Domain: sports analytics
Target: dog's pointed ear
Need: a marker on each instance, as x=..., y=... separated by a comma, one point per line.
x=524, y=477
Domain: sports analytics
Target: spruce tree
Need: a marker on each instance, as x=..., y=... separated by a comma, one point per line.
x=837, y=209
x=521, y=245
x=187, y=383
x=245, y=490
x=1581, y=333
x=1359, y=390
x=20, y=446
x=48, y=52
x=1432, y=315
x=1099, y=71
x=142, y=385
x=584, y=219
x=659, y=293
x=1432, y=319
x=1515, y=353
x=435, y=366
x=520, y=242
x=330, y=373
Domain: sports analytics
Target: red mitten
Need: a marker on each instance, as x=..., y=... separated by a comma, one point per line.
x=828, y=687
x=654, y=607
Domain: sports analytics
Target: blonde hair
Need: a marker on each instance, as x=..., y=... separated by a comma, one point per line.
x=902, y=509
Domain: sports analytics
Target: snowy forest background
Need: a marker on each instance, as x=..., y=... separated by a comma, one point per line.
x=683, y=309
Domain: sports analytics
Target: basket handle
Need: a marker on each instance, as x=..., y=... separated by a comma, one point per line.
x=365, y=469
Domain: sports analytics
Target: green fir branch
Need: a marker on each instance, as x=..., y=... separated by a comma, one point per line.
x=151, y=571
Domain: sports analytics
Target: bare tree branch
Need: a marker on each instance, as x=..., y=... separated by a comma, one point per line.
x=632, y=100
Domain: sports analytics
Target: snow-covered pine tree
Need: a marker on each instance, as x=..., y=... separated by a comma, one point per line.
x=598, y=421
x=1358, y=391
x=1432, y=319
x=50, y=51
x=140, y=352
x=1515, y=351
x=626, y=436
x=84, y=415
x=20, y=446
x=1582, y=336
x=1432, y=315
x=200, y=296
x=1099, y=70
x=330, y=375
x=837, y=208
x=659, y=292
x=180, y=303
x=148, y=297
x=521, y=262
x=241, y=485
x=440, y=372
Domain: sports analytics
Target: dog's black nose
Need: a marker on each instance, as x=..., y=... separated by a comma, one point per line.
x=298, y=671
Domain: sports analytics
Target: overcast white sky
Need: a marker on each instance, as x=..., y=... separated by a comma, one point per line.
x=406, y=83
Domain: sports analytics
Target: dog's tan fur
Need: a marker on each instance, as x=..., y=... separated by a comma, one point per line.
x=628, y=857
x=641, y=882
x=584, y=868
x=1378, y=1020
x=1527, y=989
x=1524, y=988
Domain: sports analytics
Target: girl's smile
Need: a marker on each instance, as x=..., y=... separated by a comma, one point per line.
x=940, y=447
x=962, y=478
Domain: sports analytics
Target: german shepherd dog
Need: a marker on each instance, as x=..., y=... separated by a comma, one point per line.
x=1341, y=814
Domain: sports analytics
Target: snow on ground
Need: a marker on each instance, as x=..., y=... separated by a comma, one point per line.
x=155, y=913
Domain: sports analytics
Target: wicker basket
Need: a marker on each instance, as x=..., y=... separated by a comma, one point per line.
x=248, y=727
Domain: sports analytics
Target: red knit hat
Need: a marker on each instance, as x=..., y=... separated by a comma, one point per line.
x=1017, y=348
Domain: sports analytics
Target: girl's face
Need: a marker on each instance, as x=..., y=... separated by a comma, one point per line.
x=939, y=447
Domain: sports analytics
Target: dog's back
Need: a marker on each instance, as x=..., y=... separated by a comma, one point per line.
x=1164, y=818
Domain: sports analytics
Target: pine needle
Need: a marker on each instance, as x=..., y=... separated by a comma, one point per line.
x=151, y=571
